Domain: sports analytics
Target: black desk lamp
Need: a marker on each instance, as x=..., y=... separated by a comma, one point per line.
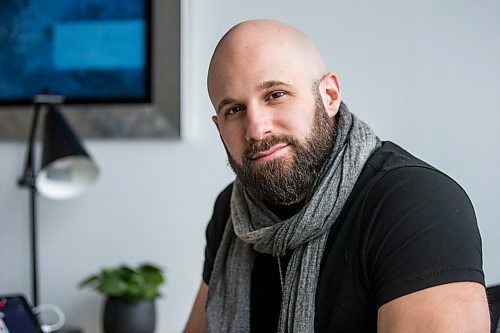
x=66, y=169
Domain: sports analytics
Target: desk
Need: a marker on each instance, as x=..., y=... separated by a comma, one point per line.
x=70, y=329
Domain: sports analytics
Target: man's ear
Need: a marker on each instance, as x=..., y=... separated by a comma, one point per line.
x=331, y=94
x=216, y=122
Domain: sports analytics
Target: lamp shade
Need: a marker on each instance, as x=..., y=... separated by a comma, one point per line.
x=67, y=169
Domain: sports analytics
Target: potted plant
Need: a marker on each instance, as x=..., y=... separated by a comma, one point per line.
x=130, y=296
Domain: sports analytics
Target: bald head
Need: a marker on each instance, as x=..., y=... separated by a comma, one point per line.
x=258, y=44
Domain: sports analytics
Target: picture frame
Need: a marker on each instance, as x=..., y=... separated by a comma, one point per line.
x=157, y=116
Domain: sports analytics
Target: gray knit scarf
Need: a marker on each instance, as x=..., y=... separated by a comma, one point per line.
x=253, y=227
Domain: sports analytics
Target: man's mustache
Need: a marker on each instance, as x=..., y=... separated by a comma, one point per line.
x=255, y=146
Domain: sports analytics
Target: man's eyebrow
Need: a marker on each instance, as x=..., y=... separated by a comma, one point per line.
x=271, y=83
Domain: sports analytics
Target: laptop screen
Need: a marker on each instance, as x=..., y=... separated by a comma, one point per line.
x=16, y=316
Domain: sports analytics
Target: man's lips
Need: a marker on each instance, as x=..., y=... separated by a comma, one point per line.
x=270, y=151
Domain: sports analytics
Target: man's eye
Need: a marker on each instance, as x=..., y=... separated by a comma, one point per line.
x=235, y=109
x=275, y=95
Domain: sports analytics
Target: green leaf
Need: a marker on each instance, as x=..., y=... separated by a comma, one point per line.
x=88, y=281
x=113, y=286
x=124, y=281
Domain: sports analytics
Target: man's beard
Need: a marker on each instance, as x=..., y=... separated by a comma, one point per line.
x=290, y=179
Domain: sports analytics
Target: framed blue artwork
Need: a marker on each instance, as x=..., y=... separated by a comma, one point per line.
x=97, y=54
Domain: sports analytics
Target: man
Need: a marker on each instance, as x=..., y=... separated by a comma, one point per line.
x=325, y=229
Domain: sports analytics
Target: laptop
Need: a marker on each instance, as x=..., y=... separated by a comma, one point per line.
x=16, y=315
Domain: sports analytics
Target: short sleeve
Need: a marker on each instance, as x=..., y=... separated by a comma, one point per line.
x=420, y=231
x=215, y=230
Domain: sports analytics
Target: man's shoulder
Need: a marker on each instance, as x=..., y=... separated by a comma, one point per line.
x=402, y=176
x=224, y=197
x=390, y=156
x=221, y=211
x=393, y=164
x=215, y=229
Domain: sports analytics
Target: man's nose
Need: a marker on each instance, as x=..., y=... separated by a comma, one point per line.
x=259, y=123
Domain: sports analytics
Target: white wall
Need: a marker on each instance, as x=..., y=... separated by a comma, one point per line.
x=423, y=74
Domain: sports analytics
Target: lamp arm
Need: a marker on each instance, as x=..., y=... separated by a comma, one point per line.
x=28, y=177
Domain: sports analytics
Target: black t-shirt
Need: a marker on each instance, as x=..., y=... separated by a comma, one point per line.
x=406, y=226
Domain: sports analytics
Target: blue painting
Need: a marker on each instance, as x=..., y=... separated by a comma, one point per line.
x=85, y=50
